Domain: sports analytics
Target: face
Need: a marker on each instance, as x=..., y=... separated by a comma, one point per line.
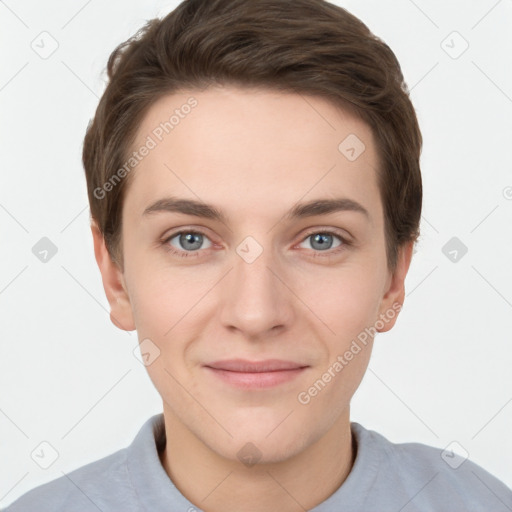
x=250, y=234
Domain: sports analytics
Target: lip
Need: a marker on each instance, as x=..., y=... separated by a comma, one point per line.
x=245, y=366
x=255, y=374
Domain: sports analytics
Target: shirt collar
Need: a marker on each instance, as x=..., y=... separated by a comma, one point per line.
x=148, y=477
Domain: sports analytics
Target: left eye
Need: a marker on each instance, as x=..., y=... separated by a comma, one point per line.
x=322, y=240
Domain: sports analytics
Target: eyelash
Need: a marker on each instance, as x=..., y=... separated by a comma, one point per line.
x=194, y=254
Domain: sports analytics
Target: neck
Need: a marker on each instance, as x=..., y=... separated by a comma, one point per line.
x=217, y=484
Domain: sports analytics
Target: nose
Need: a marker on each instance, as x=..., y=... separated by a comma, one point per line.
x=257, y=300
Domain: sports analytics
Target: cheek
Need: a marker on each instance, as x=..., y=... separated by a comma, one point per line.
x=168, y=301
x=347, y=303
x=165, y=308
x=163, y=296
x=346, y=300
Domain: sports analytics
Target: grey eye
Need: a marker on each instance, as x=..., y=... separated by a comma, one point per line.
x=189, y=241
x=322, y=241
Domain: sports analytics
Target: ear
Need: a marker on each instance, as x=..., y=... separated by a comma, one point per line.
x=394, y=296
x=113, y=283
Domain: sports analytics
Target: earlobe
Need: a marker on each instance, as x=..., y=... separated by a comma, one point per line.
x=113, y=283
x=395, y=295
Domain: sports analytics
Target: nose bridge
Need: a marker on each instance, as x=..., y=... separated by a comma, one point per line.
x=255, y=301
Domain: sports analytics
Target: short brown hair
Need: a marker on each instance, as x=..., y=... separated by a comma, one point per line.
x=299, y=46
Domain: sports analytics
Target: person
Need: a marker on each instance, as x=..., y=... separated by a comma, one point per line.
x=255, y=193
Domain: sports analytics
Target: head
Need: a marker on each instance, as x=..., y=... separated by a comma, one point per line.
x=225, y=133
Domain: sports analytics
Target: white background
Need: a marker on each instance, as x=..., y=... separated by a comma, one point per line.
x=69, y=377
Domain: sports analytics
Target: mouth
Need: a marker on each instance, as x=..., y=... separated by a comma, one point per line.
x=255, y=374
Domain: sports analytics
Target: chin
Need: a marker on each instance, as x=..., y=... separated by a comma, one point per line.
x=258, y=452
x=262, y=444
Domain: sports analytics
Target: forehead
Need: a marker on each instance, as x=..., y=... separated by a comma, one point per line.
x=252, y=148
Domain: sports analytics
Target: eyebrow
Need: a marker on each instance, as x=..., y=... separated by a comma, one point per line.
x=302, y=210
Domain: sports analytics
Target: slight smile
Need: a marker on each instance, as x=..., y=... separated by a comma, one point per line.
x=255, y=374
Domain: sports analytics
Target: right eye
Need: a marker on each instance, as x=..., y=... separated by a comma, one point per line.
x=185, y=242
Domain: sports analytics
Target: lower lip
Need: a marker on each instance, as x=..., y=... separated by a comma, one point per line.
x=256, y=380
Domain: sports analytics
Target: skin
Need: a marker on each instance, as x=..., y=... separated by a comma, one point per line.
x=254, y=154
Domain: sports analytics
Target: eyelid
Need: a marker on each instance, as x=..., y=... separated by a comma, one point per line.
x=344, y=235
x=187, y=229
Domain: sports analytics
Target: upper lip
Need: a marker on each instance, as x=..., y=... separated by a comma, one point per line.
x=245, y=366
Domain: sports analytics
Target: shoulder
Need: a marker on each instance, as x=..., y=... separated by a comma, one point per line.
x=432, y=476
x=93, y=487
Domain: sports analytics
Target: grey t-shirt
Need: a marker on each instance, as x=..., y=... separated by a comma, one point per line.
x=386, y=477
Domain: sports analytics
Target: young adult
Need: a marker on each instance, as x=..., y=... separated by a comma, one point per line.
x=255, y=191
